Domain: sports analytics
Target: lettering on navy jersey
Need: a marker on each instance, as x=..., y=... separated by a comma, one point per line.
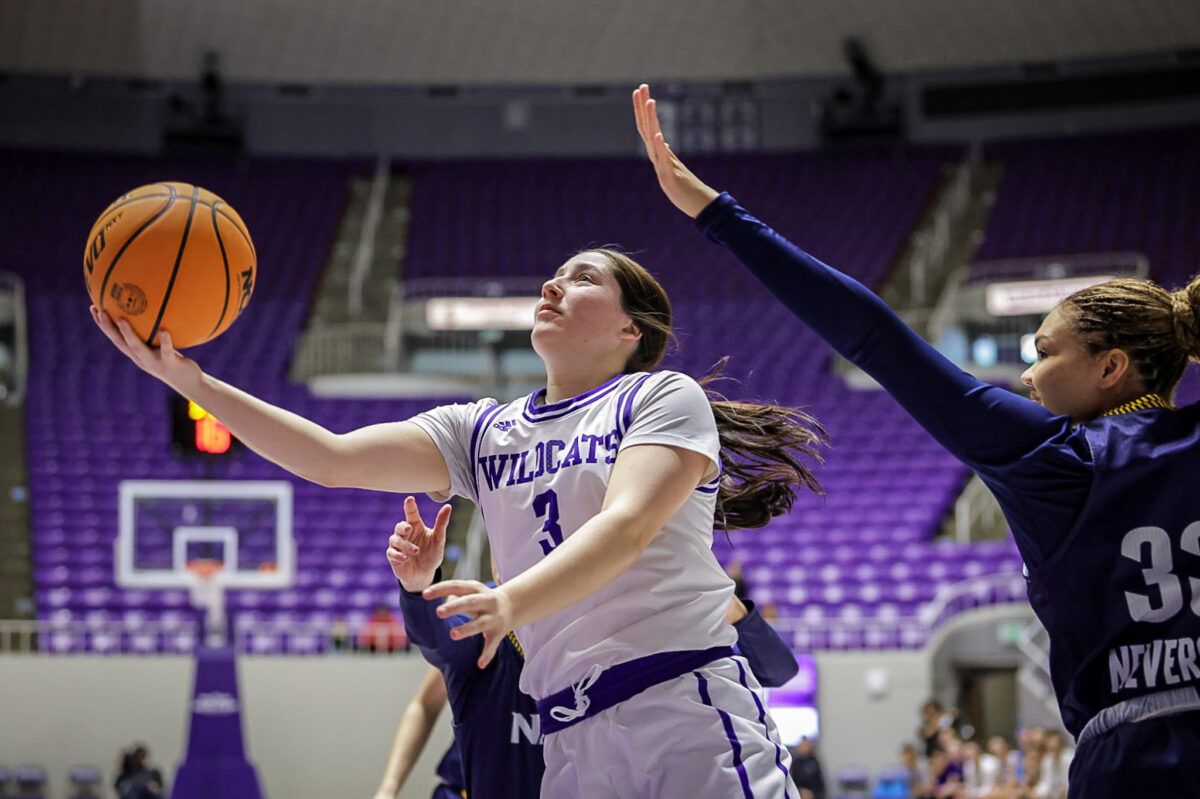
x=1159, y=664
x=548, y=457
x=527, y=727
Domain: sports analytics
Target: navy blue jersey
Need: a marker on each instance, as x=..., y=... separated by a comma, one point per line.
x=500, y=742
x=496, y=727
x=1106, y=515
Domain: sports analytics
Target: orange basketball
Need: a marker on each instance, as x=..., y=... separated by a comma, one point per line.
x=171, y=256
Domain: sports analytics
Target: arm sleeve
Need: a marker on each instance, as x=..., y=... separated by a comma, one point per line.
x=452, y=428
x=1036, y=464
x=769, y=657
x=981, y=424
x=432, y=636
x=672, y=409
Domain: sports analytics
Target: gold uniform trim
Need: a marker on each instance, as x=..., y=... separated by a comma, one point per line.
x=516, y=644
x=1142, y=403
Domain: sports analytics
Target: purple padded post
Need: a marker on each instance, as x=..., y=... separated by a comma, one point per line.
x=216, y=764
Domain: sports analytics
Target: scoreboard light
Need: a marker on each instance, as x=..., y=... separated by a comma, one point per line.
x=196, y=431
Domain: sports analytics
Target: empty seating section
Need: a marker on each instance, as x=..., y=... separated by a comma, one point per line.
x=525, y=218
x=863, y=551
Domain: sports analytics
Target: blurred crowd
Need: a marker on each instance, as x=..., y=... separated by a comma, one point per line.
x=944, y=766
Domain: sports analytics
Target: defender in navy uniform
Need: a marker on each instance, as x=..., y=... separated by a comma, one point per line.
x=497, y=729
x=1097, y=474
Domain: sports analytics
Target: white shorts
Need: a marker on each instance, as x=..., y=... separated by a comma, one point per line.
x=703, y=735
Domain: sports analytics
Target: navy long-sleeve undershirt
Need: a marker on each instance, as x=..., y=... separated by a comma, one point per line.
x=1036, y=463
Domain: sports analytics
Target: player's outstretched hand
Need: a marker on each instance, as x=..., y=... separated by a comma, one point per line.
x=414, y=550
x=685, y=190
x=490, y=611
x=177, y=371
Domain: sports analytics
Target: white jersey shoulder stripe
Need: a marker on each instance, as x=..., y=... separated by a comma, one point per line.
x=625, y=405
x=533, y=412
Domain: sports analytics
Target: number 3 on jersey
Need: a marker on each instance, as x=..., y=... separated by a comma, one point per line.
x=546, y=504
x=1160, y=572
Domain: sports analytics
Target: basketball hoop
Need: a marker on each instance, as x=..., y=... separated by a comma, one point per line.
x=208, y=592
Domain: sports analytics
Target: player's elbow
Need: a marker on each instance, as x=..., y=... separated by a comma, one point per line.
x=635, y=530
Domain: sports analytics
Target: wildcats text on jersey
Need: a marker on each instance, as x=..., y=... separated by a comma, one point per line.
x=548, y=457
x=1164, y=662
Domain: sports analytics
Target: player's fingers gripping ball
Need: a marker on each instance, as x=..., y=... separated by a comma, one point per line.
x=171, y=256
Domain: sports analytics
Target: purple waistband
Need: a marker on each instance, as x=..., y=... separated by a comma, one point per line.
x=600, y=690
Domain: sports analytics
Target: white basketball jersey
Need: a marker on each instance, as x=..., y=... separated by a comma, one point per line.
x=539, y=472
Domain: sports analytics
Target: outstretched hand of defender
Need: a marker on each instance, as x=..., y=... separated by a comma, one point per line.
x=689, y=194
x=414, y=550
x=166, y=363
x=490, y=611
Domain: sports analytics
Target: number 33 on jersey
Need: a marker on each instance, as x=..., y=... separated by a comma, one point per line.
x=1161, y=662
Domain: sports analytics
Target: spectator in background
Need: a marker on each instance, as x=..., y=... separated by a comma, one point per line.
x=339, y=634
x=920, y=780
x=136, y=778
x=934, y=719
x=1056, y=761
x=974, y=771
x=950, y=743
x=1000, y=768
x=806, y=771
x=947, y=775
x=383, y=632
x=1030, y=742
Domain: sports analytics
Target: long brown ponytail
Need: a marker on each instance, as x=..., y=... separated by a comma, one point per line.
x=763, y=447
x=1158, y=329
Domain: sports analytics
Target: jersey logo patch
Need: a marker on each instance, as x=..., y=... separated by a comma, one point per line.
x=506, y=425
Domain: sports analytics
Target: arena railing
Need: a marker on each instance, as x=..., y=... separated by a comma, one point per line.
x=1059, y=267
x=904, y=632
x=107, y=637
x=154, y=637
x=364, y=252
x=291, y=636
x=931, y=243
x=977, y=515
x=317, y=637
x=346, y=348
x=1034, y=671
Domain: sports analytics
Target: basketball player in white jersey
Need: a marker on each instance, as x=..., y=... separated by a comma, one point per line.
x=600, y=493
